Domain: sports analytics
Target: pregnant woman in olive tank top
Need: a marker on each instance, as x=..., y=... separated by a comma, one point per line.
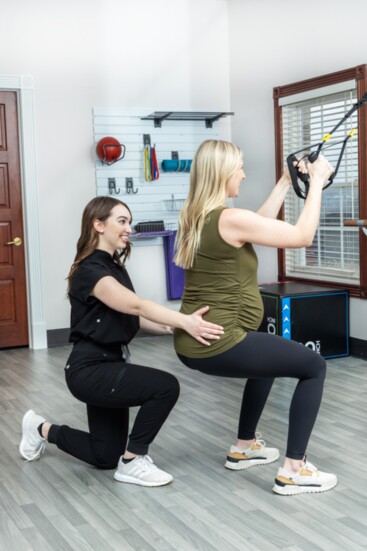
x=214, y=246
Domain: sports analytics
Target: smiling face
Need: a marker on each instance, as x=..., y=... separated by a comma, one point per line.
x=233, y=186
x=114, y=232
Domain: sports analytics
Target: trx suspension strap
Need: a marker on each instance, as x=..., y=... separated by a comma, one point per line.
x=311, y=157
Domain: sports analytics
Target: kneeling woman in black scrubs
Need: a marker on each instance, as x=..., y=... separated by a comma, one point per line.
x=105, y=315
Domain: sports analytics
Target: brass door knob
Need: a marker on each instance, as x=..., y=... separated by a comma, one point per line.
x=17, y=242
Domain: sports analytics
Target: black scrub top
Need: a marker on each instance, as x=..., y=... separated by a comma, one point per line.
x=91, y=320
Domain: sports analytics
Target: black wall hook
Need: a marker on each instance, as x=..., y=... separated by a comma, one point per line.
x=112, y=186
x=129, y=184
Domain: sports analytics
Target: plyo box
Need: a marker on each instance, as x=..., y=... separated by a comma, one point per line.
x=315, y=316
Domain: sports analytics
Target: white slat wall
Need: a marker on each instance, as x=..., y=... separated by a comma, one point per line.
x=148, y=204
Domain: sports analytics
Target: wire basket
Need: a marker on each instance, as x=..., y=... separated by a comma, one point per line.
x=172, y=226
x=173, y=204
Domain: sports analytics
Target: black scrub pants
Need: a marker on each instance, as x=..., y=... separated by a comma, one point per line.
x=260, y=358
x=100, y=378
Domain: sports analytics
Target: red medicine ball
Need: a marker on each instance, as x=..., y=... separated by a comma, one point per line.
x=109, y=150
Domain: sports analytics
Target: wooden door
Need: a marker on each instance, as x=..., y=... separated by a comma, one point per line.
x=13, y=298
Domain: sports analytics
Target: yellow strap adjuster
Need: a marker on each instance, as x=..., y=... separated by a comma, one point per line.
x=326, y=137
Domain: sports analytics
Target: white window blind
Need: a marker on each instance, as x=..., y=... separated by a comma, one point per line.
x=334, y=254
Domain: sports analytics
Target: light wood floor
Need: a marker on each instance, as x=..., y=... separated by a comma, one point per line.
x=61, y=504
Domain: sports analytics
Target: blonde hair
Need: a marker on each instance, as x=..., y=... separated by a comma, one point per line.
x=214, y=164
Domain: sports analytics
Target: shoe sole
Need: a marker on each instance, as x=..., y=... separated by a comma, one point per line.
x=247, y=463
x=133, y=480
x=25, y=426
x=291, y=490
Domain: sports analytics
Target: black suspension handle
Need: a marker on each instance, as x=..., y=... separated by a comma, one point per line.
x=296, y=174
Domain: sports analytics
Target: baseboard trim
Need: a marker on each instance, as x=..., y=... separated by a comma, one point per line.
x=358, y=348
x=60, y=337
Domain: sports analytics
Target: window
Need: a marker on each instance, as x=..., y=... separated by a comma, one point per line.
x=304, y=113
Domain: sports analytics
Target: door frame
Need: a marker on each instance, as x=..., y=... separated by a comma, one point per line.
x=23, y=86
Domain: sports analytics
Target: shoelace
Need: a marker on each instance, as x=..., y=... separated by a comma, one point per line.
x=259, y=440
x=43, y=447
x=40, y=450
x=147, y=463
x=309, y=467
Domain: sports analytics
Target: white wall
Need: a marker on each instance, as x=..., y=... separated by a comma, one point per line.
x=277, y=43
x=123, y=53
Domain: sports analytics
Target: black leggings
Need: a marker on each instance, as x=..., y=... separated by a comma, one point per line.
x=109, y=387
x=261, y=357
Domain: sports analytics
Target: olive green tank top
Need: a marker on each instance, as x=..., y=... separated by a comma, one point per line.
x=224, y=278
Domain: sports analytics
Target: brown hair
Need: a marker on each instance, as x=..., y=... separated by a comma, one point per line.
x=98, y=208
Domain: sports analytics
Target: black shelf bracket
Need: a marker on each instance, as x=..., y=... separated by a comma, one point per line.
x=157, y=118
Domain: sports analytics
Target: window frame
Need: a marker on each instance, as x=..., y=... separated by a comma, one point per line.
x=359, y=74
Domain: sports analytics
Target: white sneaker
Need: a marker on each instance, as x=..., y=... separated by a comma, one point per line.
x=256, y=454
x=142, y=471
x=307, y=480
x=32, y=444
